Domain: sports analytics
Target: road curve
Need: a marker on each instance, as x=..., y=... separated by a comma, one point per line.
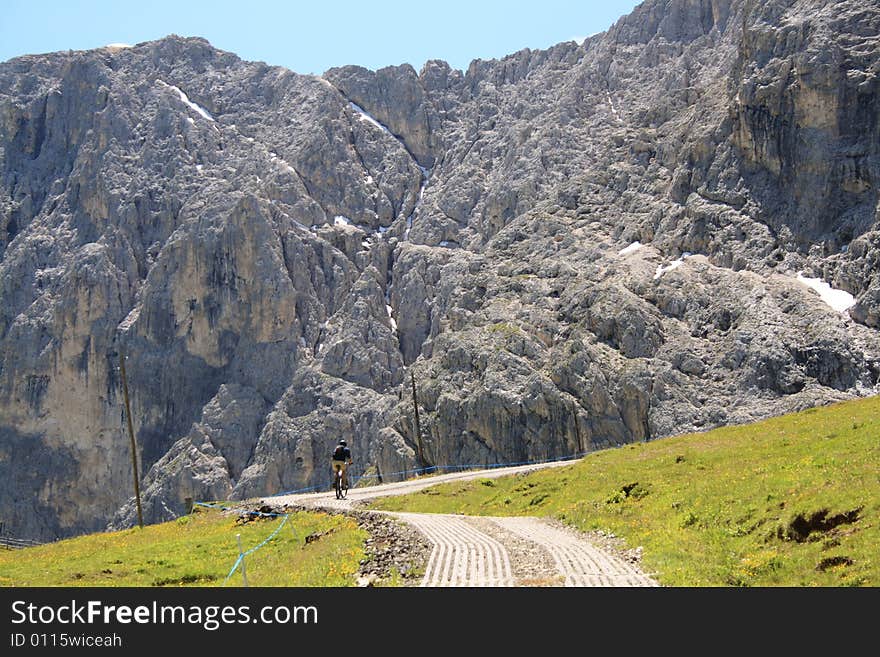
x=327, y=498
x=477, y=551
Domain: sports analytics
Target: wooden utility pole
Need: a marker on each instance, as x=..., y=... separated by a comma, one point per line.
x=418, y=424
x=577, y=430
x=134, y=466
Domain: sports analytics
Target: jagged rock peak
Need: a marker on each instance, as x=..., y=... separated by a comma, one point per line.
x=670, y=227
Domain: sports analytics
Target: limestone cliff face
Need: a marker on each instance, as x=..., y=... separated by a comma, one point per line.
x=568, y=249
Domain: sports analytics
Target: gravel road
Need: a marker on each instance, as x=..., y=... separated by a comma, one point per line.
x=473, y=551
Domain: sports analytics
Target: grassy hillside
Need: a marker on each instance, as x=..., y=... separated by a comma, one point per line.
x=310, y=549
x=790, y=501
x=786, y=502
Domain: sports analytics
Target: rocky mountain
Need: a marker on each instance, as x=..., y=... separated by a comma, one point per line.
x=564, y=250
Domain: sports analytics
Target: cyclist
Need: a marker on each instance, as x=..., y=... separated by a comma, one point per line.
x=340, y=460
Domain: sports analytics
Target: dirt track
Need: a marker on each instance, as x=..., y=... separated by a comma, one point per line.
x=471, y=551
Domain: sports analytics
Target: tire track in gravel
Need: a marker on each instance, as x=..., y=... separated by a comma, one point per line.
x=579, y=561
x=478, y=551
x=463, y=555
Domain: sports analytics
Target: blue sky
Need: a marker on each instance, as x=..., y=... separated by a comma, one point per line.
x=310, y=37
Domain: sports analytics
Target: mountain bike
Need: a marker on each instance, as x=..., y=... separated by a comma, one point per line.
x=340, y=485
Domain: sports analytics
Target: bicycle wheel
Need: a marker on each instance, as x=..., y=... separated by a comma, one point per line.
x=338, y=486
x=343, y=488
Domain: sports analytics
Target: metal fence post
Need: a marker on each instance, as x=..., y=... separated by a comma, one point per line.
x=241, y=556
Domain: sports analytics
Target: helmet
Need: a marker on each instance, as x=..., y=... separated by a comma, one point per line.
x=342, y=441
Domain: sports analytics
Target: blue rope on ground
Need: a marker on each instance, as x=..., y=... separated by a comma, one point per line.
x=209, y=505
x=234, y=567
x=241, y=556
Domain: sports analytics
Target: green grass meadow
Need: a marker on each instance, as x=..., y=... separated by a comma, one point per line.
x=311, y=549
